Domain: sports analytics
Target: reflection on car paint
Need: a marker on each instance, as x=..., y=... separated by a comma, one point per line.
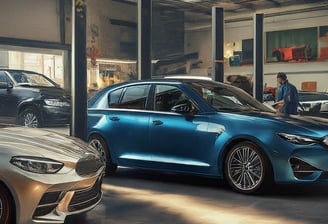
x=164, y=159
x=209, y=127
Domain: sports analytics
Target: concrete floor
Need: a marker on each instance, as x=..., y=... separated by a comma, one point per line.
x=144, y=197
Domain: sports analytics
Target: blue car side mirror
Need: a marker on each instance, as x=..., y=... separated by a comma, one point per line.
x=184, y=108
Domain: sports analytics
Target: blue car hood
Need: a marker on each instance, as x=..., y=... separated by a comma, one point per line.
x=309, y=123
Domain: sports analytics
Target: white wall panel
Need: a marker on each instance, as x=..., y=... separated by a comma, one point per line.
x=99, y=13
x=296, y=21
x=30, y=19
x=234, y=32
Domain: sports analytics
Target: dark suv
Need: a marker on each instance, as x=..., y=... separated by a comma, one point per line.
x=31, y=99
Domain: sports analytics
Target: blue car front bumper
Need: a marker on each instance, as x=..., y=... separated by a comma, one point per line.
x=303, y=165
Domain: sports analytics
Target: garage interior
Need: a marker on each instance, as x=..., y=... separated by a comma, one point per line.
x=182, y=38
x=295, y=40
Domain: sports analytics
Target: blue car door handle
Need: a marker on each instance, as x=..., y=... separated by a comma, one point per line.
x=114, y=119
x=157, y=122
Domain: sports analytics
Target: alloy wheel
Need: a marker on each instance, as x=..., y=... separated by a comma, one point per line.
x=95, y=143
x=245, y=168
x=31, y=120
x=99, y=144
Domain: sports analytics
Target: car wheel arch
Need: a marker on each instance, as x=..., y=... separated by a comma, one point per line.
x=111, y=166
x=237, y=139
x=99, y=135
x=96, y=133
x=24, y=106
x=232, y=142
x=224, y=152
x=269, y=177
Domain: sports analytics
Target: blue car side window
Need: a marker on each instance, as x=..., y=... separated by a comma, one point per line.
x=167, y=97
x=114, y=97
x=135, y=97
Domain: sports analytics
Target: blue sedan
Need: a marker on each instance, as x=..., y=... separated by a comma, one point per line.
x=206, y=128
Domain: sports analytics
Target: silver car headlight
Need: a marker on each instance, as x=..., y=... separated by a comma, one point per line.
x=36, y=164
x=56, y=103
x=297, y=139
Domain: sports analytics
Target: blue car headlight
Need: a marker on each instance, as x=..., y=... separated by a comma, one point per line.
x=36, y=164
x=56, y=103
x=297, y=139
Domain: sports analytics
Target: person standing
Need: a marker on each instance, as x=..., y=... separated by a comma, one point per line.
x=287, y=100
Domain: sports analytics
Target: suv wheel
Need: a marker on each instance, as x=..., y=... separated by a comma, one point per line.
x=29, y=117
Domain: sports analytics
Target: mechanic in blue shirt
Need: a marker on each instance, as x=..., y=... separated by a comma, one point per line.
x=287, y=95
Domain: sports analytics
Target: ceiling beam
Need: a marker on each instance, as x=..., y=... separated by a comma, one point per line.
x=246, y=4
x=277, y=4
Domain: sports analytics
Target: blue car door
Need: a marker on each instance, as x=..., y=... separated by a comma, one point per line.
x=177, y=141
x=124, y=124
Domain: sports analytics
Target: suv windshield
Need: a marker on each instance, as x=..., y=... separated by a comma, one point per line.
x=227, y=98
x=31, y=79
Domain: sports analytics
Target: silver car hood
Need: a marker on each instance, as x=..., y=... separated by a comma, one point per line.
x=32, y=141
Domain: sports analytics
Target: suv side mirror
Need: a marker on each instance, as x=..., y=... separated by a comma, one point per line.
x=6, y=85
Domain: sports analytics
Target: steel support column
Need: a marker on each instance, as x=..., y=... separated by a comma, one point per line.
x=217, y=44
x=144, y=39
x=79, y=70
x=258, y=57
x=62, y=21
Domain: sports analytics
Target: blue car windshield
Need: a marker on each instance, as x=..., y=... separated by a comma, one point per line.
x=227, y=98
x=31, y=79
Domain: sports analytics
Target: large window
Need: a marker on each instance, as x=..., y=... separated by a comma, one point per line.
x=168, y=96
x=323, y=43
x=135, y=97
x=50, y=63
x=295, y=45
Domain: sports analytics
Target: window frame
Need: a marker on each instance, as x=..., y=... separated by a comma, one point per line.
x=153, y=97
x=122, y=94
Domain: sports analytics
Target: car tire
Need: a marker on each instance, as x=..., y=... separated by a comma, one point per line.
x=6, y=206
x=100, y=145
x=247, y=169
x=29, y=117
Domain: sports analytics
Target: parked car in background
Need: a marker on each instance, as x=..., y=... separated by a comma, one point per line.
x=310, y=103
x=313, y=103
x=31, y=99
x=206, y=128
x=46, y=176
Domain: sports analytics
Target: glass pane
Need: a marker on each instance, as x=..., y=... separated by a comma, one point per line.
x=168, y=96
x=114, y=97
x=29, y=77
x=135, y=97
